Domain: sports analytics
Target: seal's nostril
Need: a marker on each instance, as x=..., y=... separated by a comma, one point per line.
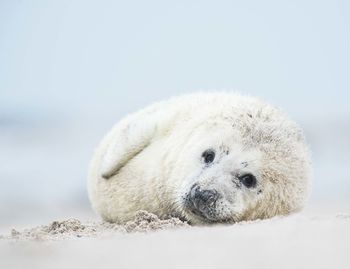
x=194, y=191
x=203, y=197
x=207, y=196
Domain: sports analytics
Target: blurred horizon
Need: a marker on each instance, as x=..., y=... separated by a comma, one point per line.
x=69, y=70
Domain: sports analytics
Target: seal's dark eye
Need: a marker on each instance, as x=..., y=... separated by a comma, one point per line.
x=208, y=156
x=248, y=180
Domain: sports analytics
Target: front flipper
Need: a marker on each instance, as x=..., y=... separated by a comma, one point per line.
x=132, y=135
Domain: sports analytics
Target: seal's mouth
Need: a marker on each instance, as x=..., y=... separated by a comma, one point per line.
x=198, y=217
x=191, y=210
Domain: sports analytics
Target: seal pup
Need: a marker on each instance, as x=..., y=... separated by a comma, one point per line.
x=205, y=158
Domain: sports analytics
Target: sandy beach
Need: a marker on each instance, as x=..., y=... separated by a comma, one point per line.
x=297, y=241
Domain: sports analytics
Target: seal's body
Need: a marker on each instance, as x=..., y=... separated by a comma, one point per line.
x=205, y=158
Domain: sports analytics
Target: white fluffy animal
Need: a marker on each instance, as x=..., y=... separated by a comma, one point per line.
x=205, y=158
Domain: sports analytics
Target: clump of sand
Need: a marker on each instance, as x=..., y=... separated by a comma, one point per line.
x=74, y=228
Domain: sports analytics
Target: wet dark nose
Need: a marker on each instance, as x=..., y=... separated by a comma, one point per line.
x=202, y=199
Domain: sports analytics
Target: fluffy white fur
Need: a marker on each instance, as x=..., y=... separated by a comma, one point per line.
x=151, y=159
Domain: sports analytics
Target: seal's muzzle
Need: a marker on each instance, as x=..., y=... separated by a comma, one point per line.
x=202, y=202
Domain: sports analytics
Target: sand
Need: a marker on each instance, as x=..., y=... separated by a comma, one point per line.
x=297, y=241
x=73, y=228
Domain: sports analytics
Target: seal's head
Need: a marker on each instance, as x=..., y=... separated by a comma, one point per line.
x=247, y=164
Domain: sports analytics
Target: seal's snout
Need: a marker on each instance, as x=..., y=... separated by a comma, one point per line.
x=201, y=202
x=207, y=197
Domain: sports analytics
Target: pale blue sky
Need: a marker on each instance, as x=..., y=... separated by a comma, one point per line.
x=86, y=55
